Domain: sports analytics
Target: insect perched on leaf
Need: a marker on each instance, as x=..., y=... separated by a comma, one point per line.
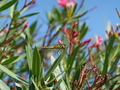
x=57, y=46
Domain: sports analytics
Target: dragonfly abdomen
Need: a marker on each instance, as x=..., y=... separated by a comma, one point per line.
x=47, y=47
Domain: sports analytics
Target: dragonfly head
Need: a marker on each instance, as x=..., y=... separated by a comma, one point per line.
x=63, y=46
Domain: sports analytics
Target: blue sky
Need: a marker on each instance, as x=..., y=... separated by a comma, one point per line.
x=98, y=18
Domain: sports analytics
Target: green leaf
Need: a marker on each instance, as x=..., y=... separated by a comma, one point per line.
x=80, y=15
x=12, y=11
x=75, y=6
x=7, y=5
x=33, y=27
x=107, y=54
x=35, y=86
x=71, y=59
x=37, y=65
x=20, y=57
x=55, y=64
x=113, y=85
x=118, y=88
x=18, y=86
x=51, y=80
x=58, y=75
x=10, y=60
x=10, y=73
x=3, y=2
x=18, y=24
x=29, y=55
x=17, y=14
x=57, y=14
x=58, y=84
x=117, y=12
x=83, y=31
x=3, y=86
x=67, y=83
x=29, y=15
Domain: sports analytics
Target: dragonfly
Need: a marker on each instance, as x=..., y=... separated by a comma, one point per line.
x=57, y=46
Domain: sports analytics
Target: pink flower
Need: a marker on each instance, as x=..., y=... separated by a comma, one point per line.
x=67, y=3
x=62, y=2
x=71, y=35
x=71, y=3
x=99, y=40
x=75, y=24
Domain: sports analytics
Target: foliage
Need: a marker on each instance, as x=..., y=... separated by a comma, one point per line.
x=78, y=65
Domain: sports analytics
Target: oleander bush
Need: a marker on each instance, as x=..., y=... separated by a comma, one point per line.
x=61, y=60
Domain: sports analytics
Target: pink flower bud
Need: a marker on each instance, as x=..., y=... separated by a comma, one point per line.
x=75, y=34
x=75, y=24
x=26, y=25
x=87, y=41
x=59, y=41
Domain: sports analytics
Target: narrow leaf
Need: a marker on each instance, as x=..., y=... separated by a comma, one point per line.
x=36, y=88
x=3, y=86
x=83, y=31
x=52, y=68
x=113, y=85
x=33, y=27
x=10, y=73
x=71, y=59
x=80, y=15
x=3, y=2
x=18, y=86
x=108, y=50
x=7, y=5
x=29, y=55
x=29, y=15
x=10, y=60
x=117, y=12
x=36, y=64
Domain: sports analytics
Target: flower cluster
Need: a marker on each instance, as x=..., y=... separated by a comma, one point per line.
x=67, y=3
x=72, y=35
x=98, y=42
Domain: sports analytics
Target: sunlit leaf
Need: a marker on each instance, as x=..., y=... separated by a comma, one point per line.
x=108, y=51
x=7, y=5
x=3, y=86
x=10, y=73
x=36, y=64
x=54, y=65
x=29, y=55
x=33, y=27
